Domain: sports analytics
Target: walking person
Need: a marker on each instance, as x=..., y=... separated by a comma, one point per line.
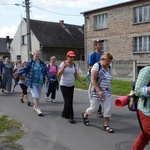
x=16, y=69
x=142, y=90
x=7, y=75
x=52, y=85
x=1, y=68
x=35, y=70
x=100, y=91
x=23, y=87
x=92, y=59
x=68, y=72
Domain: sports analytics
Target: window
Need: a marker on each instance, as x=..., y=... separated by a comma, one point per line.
x=142, y=14
x=100, y=21
x=18, y=57
x=24, y=40
x=142, y=44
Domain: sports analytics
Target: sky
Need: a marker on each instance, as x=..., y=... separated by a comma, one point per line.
x=46, y=10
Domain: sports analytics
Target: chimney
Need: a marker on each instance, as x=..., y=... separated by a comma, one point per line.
x=61, y=21
x=7, y=39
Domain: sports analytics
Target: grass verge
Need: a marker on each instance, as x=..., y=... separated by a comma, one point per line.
x=118, y=87
x=10, y=132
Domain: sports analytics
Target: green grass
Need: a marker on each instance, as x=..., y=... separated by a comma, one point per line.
x=10, y=132
x=118, y=87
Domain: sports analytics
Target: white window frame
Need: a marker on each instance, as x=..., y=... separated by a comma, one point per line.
x=141, y=44
x=141, y=15
x=100, y=21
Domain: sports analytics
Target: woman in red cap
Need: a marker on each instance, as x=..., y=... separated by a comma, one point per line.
x=68, y=72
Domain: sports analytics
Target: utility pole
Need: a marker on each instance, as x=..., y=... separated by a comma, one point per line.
x=27, y=3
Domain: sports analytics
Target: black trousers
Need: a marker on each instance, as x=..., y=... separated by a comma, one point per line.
x=51, y=90
x=67, y=93
x=24, y=89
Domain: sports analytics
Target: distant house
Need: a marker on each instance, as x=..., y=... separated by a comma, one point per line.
x=5, y=46
x=125, y=29
x=49, y=37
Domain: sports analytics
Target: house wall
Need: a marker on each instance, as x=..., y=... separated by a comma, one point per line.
x=35, y=44
x=17, y=48
x=119, y=34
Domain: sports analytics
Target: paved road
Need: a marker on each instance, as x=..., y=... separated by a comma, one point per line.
x=55, y=133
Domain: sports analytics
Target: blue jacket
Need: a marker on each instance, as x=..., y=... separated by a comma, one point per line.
x=29, y=70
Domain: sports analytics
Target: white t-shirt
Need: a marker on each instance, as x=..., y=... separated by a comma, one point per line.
x=104, y=80
x=67, y=78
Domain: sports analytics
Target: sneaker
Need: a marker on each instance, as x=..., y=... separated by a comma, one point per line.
x=99, y=115
x=46, y=99
x=21, y=100
x=29, y=103
x=53, y=101
x=39, y=112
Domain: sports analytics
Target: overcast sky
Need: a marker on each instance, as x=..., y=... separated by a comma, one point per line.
x=46, y=10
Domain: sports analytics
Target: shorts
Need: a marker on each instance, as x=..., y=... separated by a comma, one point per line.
x=36, y=91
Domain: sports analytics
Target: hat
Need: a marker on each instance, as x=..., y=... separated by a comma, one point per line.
x=71, y=53
x=99, y=41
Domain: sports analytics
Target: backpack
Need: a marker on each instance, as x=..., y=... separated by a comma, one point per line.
x=89, y=72
x=133, y=99
x=88, y=76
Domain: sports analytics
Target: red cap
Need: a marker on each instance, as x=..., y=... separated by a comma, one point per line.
x=71, y=53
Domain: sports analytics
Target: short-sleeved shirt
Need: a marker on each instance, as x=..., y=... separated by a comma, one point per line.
x=94, y=57
x=104, y=80
x=67, y=78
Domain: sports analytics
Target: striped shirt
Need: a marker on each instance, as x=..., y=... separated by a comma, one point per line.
x=103, y=81
x=141, y=90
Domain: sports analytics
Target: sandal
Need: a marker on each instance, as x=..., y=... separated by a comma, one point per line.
x=85, y=120
x=108, y=129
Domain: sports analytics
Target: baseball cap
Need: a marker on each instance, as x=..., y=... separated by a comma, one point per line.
x=99, y=41
x=71, y=53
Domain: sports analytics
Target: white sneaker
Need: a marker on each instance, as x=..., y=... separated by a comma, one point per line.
x=46, y=99
x=53, y=101
x=38, y=111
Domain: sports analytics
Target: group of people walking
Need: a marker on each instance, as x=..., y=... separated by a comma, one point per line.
x=36, y=73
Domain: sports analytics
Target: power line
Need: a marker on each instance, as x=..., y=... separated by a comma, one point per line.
x=55, y=12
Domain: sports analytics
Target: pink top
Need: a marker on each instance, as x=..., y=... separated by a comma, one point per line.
x=52, y=69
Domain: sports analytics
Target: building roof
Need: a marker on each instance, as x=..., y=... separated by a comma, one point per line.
x=51, y=34
x=3, y=45
x=113, y=6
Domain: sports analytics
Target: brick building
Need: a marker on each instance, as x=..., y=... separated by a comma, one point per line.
x=125, y=28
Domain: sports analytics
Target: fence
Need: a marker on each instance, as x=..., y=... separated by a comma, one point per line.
x=121, y=69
